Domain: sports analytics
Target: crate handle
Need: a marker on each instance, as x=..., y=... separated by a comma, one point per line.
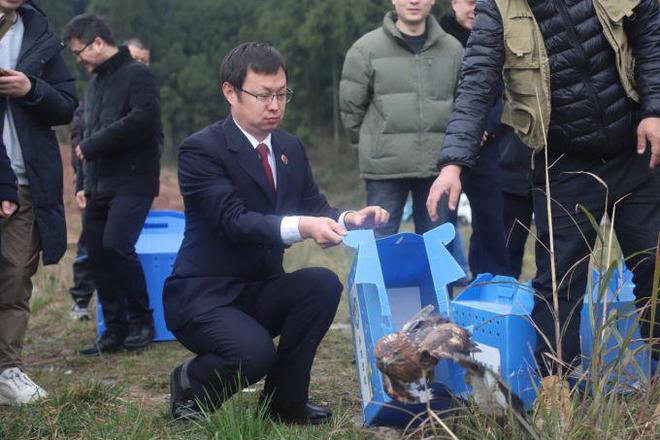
x=150, y=225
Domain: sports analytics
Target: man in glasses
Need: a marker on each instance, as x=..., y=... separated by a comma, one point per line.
x=37, y=92
x=120, y=155
x=83, y=281
x=249, y=194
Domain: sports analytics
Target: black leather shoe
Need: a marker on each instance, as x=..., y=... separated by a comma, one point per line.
x=139, y=336
x=183, y=406
x=307, y=414
x=107, y=343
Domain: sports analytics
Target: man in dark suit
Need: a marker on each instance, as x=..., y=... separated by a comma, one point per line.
x=249, y=193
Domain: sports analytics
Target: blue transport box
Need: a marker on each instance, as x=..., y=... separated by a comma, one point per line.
x=617, y=301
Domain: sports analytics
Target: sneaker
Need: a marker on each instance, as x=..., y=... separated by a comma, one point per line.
x=79, y=313
x=17, y=388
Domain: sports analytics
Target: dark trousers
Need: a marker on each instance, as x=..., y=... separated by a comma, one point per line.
x=482, y=186
x=392, y=194
x=297, y=306
x=635, y=189
x=517, y=211
x=83, y=280
x=113, y=226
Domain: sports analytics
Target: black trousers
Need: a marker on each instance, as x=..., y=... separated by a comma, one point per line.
x=482, y=186
x=113, y=226
x=635, y=191
x=237, y=340
x=517, y=211
x=83, y=280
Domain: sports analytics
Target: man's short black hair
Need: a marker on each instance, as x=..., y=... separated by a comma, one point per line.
x=261, y=57
x=86, y=27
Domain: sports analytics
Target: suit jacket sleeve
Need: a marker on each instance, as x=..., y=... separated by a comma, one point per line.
x=142, y=120
x=208, y=189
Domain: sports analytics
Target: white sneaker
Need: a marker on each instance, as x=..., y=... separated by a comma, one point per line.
x=79, y=313
x=16, y=388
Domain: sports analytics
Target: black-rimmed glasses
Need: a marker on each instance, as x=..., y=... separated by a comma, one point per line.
x=267, y=99
x=76, y=53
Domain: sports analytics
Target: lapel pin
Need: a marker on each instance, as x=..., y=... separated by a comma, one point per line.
x=285, y=160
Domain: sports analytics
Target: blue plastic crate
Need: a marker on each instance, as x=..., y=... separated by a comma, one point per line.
x=156, y=247
x=497, y=310
x=620, y=300
x=392, y=279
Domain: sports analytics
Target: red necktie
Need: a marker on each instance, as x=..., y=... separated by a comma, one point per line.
x=262, y=151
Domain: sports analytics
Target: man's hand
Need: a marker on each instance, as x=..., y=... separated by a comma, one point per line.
x=79, y=153
x=649, y=131
x=81, y=199
x=366, y=218
x=14, y=84
x=323, y=230
x=448, y=182
x=7, y=208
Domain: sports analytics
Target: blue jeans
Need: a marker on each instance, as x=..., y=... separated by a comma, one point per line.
x=392, y=194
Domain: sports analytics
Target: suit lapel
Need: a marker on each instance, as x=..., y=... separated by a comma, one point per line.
x=247, y=157
x=281, y=165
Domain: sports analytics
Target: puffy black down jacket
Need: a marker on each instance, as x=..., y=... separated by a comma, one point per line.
x=590, y=111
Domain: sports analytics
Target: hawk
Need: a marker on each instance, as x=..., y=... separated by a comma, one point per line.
x=408, y=358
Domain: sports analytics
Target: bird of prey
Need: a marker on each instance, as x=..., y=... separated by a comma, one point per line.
x=408, y=358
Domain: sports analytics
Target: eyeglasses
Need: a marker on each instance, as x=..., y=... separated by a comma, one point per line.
x=267, y=99
x=76, y=53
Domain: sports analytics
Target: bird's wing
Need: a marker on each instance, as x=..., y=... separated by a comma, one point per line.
x=419, y=319
x=447, y=340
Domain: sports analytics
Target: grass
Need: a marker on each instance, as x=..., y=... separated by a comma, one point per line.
x=125, y=396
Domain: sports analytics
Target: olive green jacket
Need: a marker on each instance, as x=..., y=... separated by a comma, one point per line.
x=395, y=104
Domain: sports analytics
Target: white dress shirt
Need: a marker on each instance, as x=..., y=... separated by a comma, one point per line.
x=289, y=228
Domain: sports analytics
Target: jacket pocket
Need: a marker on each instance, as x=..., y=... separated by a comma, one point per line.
x=616, y=10
x=521, y=117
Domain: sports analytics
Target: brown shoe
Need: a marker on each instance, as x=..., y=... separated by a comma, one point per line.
x=554, y=401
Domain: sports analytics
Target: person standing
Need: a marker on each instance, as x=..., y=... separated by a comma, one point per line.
x=120, y=156
x=83, y=281
x=582, y=87
x=249, y=194
x=482, y=183
x=37, y=92
x=396, y=95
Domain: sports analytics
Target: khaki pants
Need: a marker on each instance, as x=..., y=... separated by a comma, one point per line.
x=20, y=246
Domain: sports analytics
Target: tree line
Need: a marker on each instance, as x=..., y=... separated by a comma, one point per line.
x=189, y=38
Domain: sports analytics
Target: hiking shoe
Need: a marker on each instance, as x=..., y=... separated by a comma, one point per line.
x=17, y=388
x=183, y=406
x=79, y=313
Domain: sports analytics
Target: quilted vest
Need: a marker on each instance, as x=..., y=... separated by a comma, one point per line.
x=527, y=99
